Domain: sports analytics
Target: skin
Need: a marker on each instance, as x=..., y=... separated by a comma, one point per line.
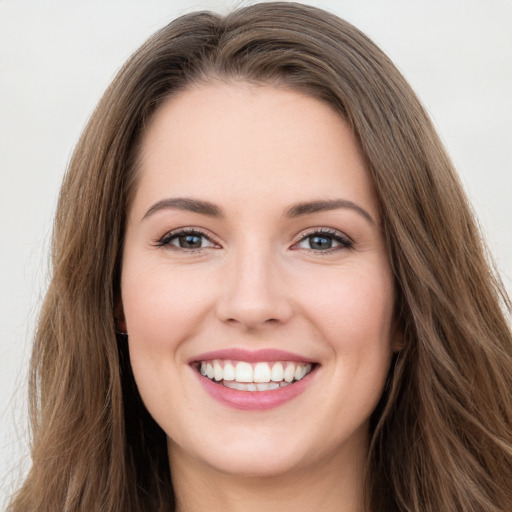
x=258, y=282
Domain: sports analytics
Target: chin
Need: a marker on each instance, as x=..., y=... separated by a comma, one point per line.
x=257, y=465
x=247, y=457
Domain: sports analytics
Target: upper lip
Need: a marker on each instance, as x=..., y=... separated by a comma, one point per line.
x=240, y=354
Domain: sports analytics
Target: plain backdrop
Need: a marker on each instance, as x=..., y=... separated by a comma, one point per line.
x=57, y=57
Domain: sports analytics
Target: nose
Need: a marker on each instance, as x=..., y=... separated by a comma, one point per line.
x=254, y=292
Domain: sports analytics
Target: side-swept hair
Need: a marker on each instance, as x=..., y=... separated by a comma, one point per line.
x=442, y=433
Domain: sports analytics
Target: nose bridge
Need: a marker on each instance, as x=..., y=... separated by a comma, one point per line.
x=254, y=293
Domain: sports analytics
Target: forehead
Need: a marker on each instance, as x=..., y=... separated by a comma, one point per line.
x=238, y=139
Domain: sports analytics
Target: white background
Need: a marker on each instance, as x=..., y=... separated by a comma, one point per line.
x=57, y=57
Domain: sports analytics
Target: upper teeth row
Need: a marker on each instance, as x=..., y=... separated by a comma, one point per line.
x=256, y=372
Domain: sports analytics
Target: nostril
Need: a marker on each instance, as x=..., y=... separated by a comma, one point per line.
x=251, y=302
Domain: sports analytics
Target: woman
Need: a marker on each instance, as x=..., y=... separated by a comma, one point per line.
x=268, y=289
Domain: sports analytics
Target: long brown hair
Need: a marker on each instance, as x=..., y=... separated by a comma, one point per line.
x=442, y=433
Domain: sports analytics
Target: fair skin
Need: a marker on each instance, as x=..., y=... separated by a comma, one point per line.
x=254, y=271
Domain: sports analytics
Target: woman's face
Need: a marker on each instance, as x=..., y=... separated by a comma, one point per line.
x=254, y=255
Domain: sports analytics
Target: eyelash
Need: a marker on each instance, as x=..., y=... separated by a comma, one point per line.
x=166, y=240
x=343, y=241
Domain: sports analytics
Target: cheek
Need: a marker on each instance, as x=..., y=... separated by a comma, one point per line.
x=161, y=305
x=354, y=307
x=354, y=316
x=162, y=309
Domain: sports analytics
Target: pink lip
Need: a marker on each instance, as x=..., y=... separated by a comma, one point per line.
x=255, y=400
x=251, y=356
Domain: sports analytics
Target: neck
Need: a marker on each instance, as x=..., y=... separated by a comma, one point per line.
x=335, y=484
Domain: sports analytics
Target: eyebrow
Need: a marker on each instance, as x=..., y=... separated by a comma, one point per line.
x=297, y=210
x=308, y=208
x=187, y=204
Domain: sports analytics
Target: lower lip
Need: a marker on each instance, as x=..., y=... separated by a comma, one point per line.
x=254, y=400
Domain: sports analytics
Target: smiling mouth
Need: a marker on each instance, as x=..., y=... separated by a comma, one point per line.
x=253, y=376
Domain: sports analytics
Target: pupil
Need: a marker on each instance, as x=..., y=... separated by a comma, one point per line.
x=190, y=241
x=320, y=242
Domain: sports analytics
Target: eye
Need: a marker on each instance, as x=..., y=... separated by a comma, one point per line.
x=186, y=239
x=324, y=241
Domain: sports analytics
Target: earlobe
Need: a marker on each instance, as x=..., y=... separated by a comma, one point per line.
x=397, y=343
x=120, y=319
x=397, y=338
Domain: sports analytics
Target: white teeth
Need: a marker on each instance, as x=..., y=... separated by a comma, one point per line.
x=262, y=372
x=218, y=373
x=277, y=372
x=261, y=376
x=235, y=385
x=289, y=373
x=229, y=372
x=267, y=386
x=243, y=372
x=301, y=371
x=263, y=386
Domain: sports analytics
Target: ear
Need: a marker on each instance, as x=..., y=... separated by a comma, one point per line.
x=397, y=338
x=397, y=343
x=119, y=316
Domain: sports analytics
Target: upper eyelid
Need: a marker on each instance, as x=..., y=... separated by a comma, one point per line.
x=322, y=230
x=345, y=242
x=207, y=234
x=187, y=230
